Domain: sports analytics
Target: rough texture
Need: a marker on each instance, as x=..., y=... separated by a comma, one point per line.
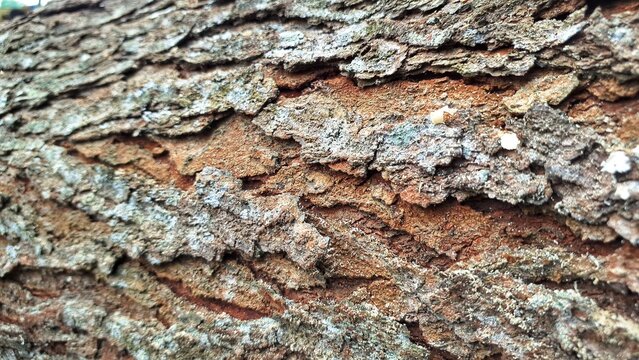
x=288, y=179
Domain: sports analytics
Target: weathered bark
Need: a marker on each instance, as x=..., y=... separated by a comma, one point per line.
x=320, y=179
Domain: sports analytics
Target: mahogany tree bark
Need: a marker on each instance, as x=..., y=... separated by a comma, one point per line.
x=292, y=179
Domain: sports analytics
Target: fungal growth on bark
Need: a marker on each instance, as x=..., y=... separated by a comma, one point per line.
x=320, y=179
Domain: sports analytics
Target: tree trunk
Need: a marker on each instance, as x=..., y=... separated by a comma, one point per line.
x=291, y=179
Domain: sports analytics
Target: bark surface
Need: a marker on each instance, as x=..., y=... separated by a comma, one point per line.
x=292, y=179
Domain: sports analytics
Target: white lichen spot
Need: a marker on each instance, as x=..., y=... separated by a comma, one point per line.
x=141, y=354
x=483, y=176
x=11, y=251
x=509, y=141
x=290, y=39
x=623, y=35
x=439, y=116
x=617, y=163
x=627, y=190
x=214, y=196
x=26, y=63
x=85, y=57
x=4, y=100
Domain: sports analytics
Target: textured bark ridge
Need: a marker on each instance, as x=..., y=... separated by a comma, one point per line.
x=292, y=179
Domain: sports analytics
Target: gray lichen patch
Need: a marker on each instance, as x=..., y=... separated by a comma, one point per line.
x=457, y=159
x=162, y=223
x=156, y=102
x=383, y=59
x=199, y=334
x=558, y=307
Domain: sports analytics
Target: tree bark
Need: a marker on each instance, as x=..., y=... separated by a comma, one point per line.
x=291, y=179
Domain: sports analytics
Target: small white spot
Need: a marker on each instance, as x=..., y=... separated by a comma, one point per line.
x=11, y=251
x=627, y=190
x=618, y=163
x=509, y=141
x=438, y=116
